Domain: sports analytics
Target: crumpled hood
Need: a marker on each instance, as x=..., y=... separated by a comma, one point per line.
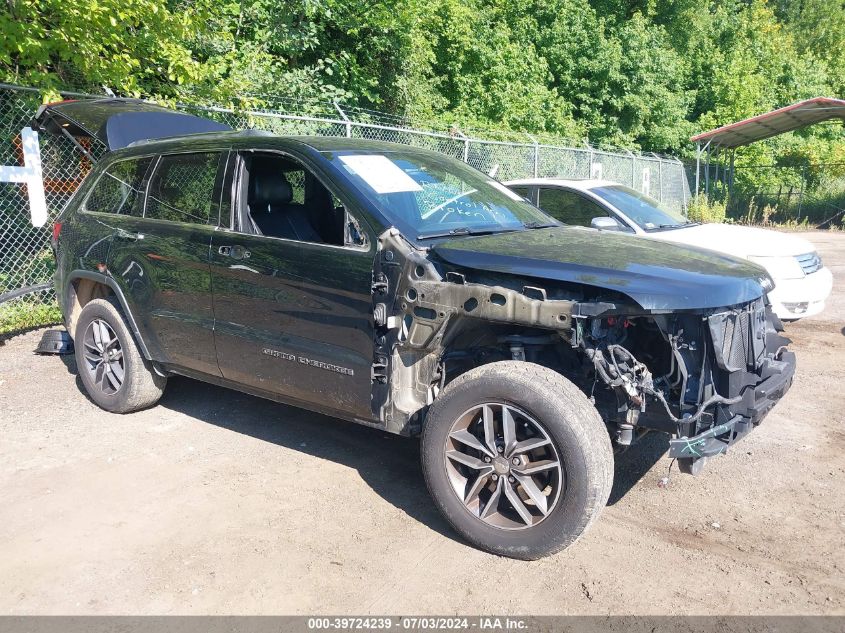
x=657, y=275
x=740, y=241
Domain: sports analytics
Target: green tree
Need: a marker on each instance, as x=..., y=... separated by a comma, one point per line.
x=302, y=49
x=466, y=64
x=818, y=27
x=128, y=45
x=637, y=73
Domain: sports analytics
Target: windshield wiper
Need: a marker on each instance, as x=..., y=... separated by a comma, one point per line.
x=538, y=225
x=463, y=230
x=676, y=226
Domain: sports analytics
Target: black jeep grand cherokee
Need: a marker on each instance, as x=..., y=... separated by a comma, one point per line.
x=404, y=290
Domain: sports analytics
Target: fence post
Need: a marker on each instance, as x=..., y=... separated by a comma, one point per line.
x=717, y=155
x=536, y=155
x=683, y=174
x=466, y=143
x=456, y=132
x=345, y=118
x=801, y=194
x=697, y=166
x=659, y=173
x=731, y=182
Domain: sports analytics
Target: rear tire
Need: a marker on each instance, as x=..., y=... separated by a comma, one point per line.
x=524, y=405
x=115, y=375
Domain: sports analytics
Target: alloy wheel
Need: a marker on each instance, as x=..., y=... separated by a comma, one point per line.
x=503, y=466
x=103, y=357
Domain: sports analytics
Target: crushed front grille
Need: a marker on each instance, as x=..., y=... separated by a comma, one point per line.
x=734, y=333
x=735, y=343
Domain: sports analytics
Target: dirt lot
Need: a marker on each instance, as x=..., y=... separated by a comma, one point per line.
x=217, y=502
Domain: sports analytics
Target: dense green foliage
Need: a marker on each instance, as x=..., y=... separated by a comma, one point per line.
x=636, y=73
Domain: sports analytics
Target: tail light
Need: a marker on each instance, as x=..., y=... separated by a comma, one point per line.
x=57, y=229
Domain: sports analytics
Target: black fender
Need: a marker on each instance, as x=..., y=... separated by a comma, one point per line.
x=106, y=280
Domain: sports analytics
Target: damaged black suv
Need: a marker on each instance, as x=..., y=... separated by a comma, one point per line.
x=404, y=290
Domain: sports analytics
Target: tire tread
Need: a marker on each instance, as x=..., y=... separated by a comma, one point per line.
x=144, y=386
x=579, y=415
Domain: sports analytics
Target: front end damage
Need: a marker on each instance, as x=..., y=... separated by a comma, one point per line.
x=726, y=370
x=706, y=377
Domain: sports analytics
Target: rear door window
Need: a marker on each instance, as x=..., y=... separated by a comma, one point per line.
x=120, y=190
x=569, y=207
x=182, y=189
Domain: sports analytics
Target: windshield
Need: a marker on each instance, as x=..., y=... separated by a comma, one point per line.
x=647, y=212
x=428, y=196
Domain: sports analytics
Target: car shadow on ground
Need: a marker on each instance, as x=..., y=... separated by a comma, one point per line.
x=69, y=361
x=632, y=465
x=389, y=464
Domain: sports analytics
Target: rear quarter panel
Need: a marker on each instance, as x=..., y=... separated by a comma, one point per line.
x=83, y=244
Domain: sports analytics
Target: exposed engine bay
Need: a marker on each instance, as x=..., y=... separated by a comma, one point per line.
x=705, y=377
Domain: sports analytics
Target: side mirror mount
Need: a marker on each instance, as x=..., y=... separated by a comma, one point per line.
x=605, y=223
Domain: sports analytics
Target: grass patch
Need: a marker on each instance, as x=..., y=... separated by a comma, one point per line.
x=700, y=209
x=18, y=316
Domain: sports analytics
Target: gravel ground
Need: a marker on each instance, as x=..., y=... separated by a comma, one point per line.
x=216, y=502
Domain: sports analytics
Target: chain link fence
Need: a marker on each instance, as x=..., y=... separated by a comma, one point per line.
x=26, y=263
x=809, y=194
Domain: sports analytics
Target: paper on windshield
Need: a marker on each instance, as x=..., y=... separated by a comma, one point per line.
x=510, y=194
x=380, y=173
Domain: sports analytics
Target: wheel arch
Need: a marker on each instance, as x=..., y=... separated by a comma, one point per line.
x=455, y=345
x=85, y=285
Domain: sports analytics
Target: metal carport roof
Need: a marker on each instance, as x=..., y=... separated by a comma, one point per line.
x=762, y=126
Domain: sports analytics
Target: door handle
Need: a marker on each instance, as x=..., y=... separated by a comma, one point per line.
x=235, y=252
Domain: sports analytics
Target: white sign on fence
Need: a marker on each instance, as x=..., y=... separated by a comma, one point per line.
x=646, y=187
x=596, y=171
x=30, y=174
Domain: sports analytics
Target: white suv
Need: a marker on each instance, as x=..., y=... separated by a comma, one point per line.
x=802, y=284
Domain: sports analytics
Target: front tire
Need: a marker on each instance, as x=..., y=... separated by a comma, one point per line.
x=115, y=375
x=517, y=459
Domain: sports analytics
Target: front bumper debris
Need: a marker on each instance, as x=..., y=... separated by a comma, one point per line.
x=714, y=441
x=777, y=379
x=757, y=400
